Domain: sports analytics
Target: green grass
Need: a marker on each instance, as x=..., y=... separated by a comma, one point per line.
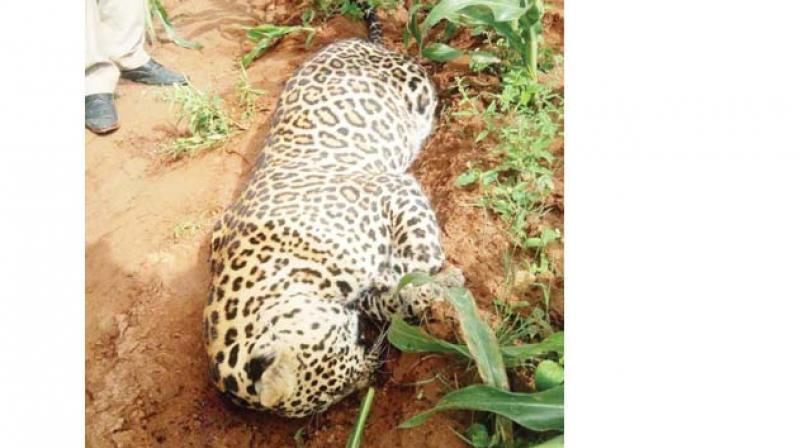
x=208, y=121
x=204, y=114
x=520, y=323
x=247, y=96
x=348, y=8
x=520, y=124
x=183, y=229
x=266, y=35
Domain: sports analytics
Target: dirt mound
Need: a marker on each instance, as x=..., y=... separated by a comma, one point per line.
x=147, y=237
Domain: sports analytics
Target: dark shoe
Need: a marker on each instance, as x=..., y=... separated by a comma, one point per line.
x=154, y=74
x=101, y=116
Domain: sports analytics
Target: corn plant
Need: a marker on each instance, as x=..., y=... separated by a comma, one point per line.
x=412, y=339
x=517, y=23
x=154, y=8
x=540, y=411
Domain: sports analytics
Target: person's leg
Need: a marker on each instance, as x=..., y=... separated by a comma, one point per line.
x=123, y=24
x=101, y=75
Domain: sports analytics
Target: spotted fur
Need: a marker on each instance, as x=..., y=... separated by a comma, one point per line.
x=327, y=224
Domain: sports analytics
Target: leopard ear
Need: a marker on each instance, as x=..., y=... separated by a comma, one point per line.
x=274, y=375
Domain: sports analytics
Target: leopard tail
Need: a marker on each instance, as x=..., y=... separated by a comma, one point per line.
x=375, y=34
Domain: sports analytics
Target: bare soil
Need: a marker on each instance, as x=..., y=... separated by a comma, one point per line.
x=148, y=220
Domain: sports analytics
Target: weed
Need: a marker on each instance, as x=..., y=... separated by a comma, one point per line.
x=522, y=121
x=519, y=92
x=549, y=59
x=247, y=95
x=515, y=328
x=183, y=229
x=267, y=35
x=347, y=8
x=208, y=122
x=518, y=185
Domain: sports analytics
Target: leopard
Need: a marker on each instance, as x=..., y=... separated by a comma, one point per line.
x=329, y=221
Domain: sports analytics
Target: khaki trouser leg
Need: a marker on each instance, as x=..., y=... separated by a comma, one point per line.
x=101, y=73
x=123, y=23
x=114, y=41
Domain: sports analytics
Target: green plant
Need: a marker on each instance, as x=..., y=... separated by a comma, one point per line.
x=516, y=23
x=555, y=442
x=354, y=441
x=207, y=121
x=514, y=327
x=519, y=91
x=412, y=339
x=549, y=59
x=347, y=8
x=187, y=228
x=520, y=124
x=155, y=8
x=521, y=180
x=549, y=374
x=247, y=95
x=267, y=35
x=540, y=411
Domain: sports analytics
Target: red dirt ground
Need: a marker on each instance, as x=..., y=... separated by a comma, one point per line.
x=146, y=378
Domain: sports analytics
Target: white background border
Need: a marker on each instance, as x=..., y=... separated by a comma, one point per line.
x=42, y=209
x=682, y=183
